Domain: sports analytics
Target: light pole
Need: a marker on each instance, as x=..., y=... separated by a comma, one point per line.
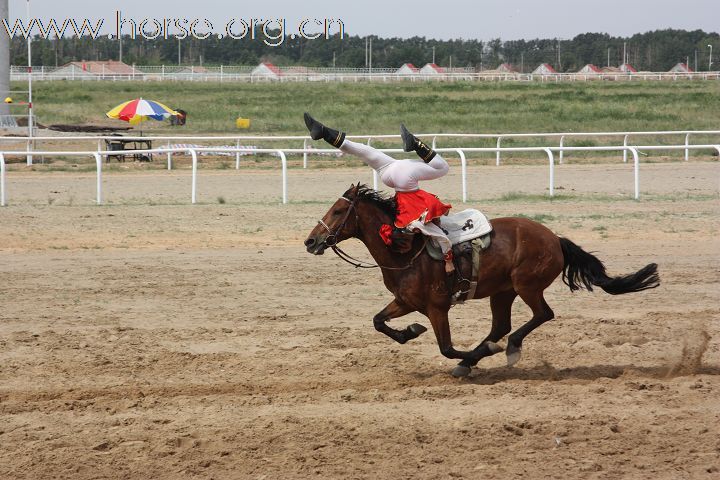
x=30, y=105
x=710, y=61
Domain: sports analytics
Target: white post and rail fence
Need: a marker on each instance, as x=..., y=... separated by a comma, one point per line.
x=498, y=138
x=282, y=154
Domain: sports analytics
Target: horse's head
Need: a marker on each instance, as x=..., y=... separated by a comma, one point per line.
x=338, y=224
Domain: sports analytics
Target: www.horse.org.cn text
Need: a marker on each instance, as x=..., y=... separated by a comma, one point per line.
x=271, y=31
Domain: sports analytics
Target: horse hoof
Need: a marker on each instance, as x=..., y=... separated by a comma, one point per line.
x=416, y=329
x=461, y=371
x=513, y=356
x=494, y=347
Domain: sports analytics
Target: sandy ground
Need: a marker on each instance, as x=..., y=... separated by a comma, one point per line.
x=149, y=338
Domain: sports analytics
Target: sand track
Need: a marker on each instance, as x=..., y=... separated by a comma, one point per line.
x=176, y=341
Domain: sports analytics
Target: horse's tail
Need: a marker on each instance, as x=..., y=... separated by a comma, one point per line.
x=582, y=269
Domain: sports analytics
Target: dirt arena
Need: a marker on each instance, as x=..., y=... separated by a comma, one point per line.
x=148, y=338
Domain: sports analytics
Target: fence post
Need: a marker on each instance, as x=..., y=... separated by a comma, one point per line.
x=463, y=170
x=636, y=171
x=283, y=164
x=497, y=153
x=305, y=146
x=434, y=142
x=551, y=159
x=562, y=144
x=687, y=150
x=237, y=154
x=169, y=156
x=98, y=164
x=2, y=180
x=625, y=150
x=193, y=153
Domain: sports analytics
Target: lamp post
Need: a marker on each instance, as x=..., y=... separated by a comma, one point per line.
x=30, y=105
x=710, y=60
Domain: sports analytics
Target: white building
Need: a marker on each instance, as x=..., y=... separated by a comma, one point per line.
x=266, y=70
x=407, y=69
x=544, y=69
x=432, y=69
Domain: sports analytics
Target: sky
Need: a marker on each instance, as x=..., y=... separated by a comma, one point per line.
x=451, y=19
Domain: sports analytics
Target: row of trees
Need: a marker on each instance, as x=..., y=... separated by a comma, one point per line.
x=654, y=51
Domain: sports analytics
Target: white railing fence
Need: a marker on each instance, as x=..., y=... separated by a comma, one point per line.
x=97, y=140
x=225, y=73
x=282, y=153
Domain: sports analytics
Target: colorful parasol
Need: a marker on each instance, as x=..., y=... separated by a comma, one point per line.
x=139, y=110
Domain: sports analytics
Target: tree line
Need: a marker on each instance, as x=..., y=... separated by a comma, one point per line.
x=651, y=51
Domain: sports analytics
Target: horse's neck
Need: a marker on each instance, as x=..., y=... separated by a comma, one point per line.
x=370, y=220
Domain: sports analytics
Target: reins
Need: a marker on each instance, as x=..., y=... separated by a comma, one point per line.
x=349, y=258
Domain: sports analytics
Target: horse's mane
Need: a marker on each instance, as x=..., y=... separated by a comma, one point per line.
x=385, y=203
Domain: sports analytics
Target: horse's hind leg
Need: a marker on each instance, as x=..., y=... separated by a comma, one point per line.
x=541, y=314
x=394, y=310
x=501, y=307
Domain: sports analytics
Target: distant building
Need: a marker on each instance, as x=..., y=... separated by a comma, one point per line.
x=407, y=69
x=680, y=68
x=506, y=68
x=95, y=69
x=544, y=69
x=590, y=69
x=627, y=68
x=432, y=69
x=266, y=70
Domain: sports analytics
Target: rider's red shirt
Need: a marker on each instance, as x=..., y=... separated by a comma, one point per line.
x=412, y=205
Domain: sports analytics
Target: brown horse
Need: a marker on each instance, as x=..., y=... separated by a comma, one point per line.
x=523, y=259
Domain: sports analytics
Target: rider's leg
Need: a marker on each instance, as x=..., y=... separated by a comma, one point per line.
x=372, y=157
x=412, y=143
x=318, y=131
x=435, y=232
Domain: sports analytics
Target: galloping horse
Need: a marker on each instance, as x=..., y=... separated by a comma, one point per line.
x=523, y=259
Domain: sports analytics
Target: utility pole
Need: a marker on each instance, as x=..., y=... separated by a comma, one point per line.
x=624, y=52
x=696, y=59
x=608, y=60
x=366, y=52
x=370, y=56
x=4, y=62
x=558, y=60
x=30, y=105
x=333, y=58
x=120, y=40
x=179, y=52
x=522, y=62
x=433, y=59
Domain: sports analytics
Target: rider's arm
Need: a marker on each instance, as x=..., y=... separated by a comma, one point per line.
x=429, y=171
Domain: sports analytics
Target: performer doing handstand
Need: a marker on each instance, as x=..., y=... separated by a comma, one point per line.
x=416, y=208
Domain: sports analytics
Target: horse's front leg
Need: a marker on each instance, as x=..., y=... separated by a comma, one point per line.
x=439, y=319
x=394, y=310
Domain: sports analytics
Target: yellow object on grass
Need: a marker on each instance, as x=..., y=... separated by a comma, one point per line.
x=242, y=123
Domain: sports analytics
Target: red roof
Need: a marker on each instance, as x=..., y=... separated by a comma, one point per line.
x=592, y=67
x=549, y=67
x=628, y=68
x=435, y=67
x=272, y=68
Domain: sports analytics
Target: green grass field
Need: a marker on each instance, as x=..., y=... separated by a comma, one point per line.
x=380, y=107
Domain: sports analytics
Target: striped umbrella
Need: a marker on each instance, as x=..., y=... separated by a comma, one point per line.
x=139, y=110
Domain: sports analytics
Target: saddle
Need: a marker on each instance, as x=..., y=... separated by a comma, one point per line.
x=470, y=233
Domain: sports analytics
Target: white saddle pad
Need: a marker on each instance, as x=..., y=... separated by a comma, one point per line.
x=466, y=225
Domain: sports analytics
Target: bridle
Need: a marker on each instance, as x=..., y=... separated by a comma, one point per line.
x=350, y=259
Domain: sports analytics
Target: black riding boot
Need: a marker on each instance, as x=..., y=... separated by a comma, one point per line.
x=318, y=131
x=412, y=143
